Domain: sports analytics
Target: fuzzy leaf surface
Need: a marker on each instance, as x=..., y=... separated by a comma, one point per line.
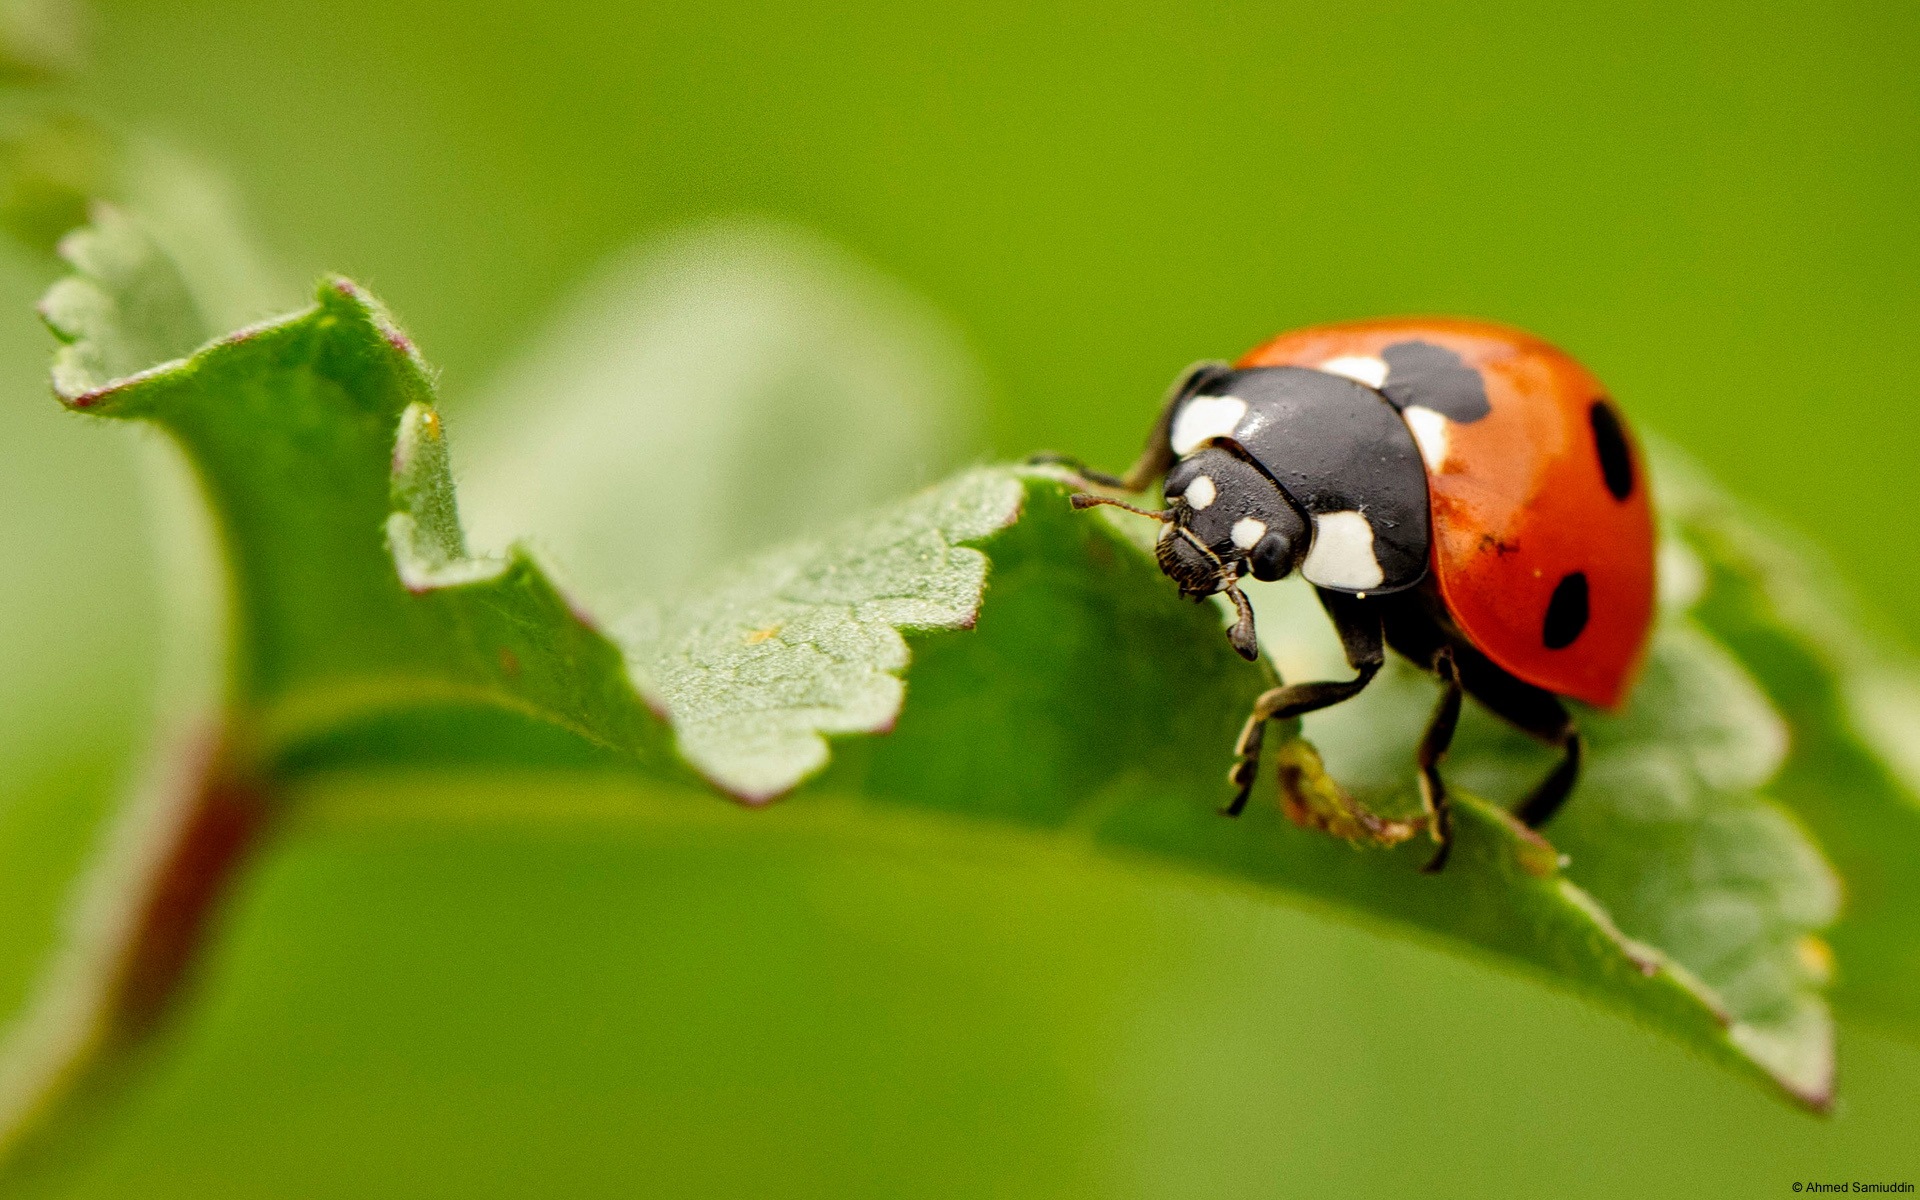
x=806, y=642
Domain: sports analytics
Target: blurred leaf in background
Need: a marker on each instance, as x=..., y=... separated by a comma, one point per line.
x=677, y=412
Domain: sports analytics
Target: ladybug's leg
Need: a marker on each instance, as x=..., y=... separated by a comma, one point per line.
x=1433, y=747
x=1362, y=639
x=1084, y=471
x=1539, y=714
x=1158, y=455
x=1546, y=798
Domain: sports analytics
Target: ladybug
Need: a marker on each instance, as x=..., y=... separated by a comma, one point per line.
x=1458, y=490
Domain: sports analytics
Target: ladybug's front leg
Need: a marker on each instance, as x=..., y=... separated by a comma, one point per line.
x=1361, y=636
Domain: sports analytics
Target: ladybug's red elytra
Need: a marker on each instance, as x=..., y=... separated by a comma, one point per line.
x=1458, y=490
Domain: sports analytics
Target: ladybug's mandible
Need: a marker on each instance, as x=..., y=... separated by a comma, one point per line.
x=1458, y=490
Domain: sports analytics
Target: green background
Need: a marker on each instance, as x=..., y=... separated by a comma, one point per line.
x=1714, y=206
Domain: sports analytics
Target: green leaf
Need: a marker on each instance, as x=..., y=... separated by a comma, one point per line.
x=314, y=436
x=1088, y=704
x=807, y=642
x=104, y=794
x=1672, y=828
x=361, y=631
x=124, y=311
x=90, y=827
x=1058, y=688
x=1851, y=698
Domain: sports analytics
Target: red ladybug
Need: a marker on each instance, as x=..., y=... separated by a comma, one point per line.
x=1458, y=490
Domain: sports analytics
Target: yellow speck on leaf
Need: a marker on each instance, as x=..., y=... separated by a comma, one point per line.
x=762, y=635
x=1816, y=956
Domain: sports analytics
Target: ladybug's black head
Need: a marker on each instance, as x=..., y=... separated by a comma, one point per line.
x=1225, y=519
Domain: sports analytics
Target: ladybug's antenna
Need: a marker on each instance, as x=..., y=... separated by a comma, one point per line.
x=1089, y=500
x=1241, y=634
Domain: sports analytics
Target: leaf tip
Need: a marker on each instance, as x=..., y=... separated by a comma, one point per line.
x=122, y=315
x=342, y=297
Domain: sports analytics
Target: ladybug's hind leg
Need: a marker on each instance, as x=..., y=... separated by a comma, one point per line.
x=1546, y=798
x=1413, y=631
x=1363, y=639
x=1539, y=714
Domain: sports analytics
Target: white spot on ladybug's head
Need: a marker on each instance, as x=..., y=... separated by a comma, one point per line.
x=1430, y=433
x=1342, y=553
x=1361, y=368
x=1200, y=493
x=1247, y=532
x=1205, y=418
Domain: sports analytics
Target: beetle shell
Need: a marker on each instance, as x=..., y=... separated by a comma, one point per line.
x=1542, y=530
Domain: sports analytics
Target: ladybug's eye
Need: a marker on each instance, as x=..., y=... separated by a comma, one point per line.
x=1272, y=557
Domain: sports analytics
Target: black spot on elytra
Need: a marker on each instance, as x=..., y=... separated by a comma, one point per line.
x=1434, y=377
x=1610, y=442
x=1566, y=612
